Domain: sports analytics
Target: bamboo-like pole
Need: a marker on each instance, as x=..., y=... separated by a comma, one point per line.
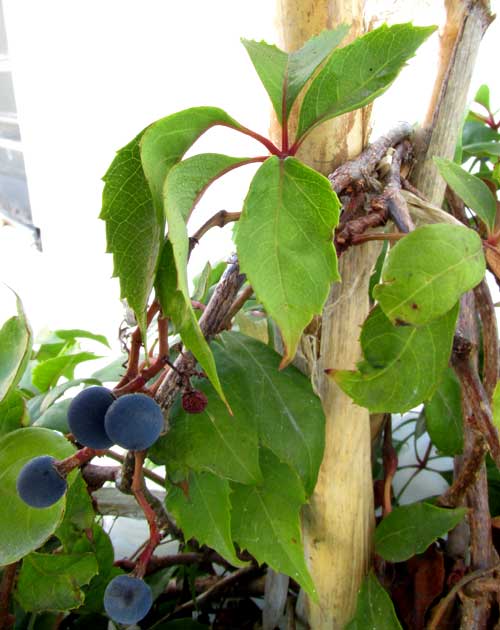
x=338, y=521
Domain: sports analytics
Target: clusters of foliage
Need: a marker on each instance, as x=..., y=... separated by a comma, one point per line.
x=244, y=432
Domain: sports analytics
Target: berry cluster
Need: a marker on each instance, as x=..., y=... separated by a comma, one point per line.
x=97, y=420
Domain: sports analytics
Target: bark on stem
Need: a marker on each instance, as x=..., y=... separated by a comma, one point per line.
x=338, y=521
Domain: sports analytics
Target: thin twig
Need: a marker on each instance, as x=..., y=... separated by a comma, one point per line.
x=147, y=473
x=390, y=463
x=467, y=476
x=486, y=310
x=211, y=322
x=154, y=532
x=219, y=219
x=238, y=304
x=440, y=608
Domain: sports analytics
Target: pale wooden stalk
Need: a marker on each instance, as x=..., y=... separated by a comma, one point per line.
x=466, y=23
x=338, y=522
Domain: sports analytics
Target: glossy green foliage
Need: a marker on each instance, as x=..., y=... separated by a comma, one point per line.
x=427, y=271
x=204, y=513
x=15, y=348
x=47, y=373
x=183, y=187
x=53, y=581
x=12, y=413
x=356, y=74
x=165, y=142
x=410, y=529
x=443, y=416
x=374, y=608
x=403, y=364
x=281, y=405
x=211, y=441
x=133, y=227
x=16, y=449
x=495, y=406
x=284, y=242
x=266, y=520
x=474, y=193
x=284, y=75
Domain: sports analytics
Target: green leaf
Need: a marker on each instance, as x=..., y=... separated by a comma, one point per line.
x=206, y=513
x=284, y=75
x=483, y=96
x=211, y=441
x=443, y=416
x=47, y=373
x=410, y=529
x=403, y=364
x=183, y=187
x=52, y=582
x=284, y=243
x=356, y=74
x=134, y=229
x=495, y=406
x=427, y=271
x=15, y=350
x=484, y=149
x=281, y=404
x=12, y=413
x=78, y=516
x=165, y=142
x=266, y=520
x=474, y=192
x=55, y=417
x=77, y=333
x=374, y=608
x=16, y=449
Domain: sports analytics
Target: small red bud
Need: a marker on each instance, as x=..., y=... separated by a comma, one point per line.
x=194, y=401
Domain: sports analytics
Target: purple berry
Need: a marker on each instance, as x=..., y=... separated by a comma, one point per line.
x=134, y=422
x=86, y=417
x=39, y=484
x=127, y=599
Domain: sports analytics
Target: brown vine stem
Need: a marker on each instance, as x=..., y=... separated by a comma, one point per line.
x=390, y=463
x=219, y=219
x=486, y=310
x=6, y=587
x=473, y=391
x=146, y=472
x=238, y=304
x=467, y=476
x=76, y=460
x=377, y=236
x=440, y=608
x=211, y=322
x=135, y=348
x=364, y=165
x=154, y=532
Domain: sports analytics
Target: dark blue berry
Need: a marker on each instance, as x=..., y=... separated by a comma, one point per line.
x=127, y=599
x=134, y=421
x=39, y=484
x=86, y=417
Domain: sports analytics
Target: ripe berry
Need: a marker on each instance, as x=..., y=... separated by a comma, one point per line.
x=194, y=401
x=86, y=417
x=127, y=599
x=39, y=484
x=134, y=421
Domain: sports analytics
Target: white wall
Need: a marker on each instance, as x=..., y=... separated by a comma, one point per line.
x=89, y=75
